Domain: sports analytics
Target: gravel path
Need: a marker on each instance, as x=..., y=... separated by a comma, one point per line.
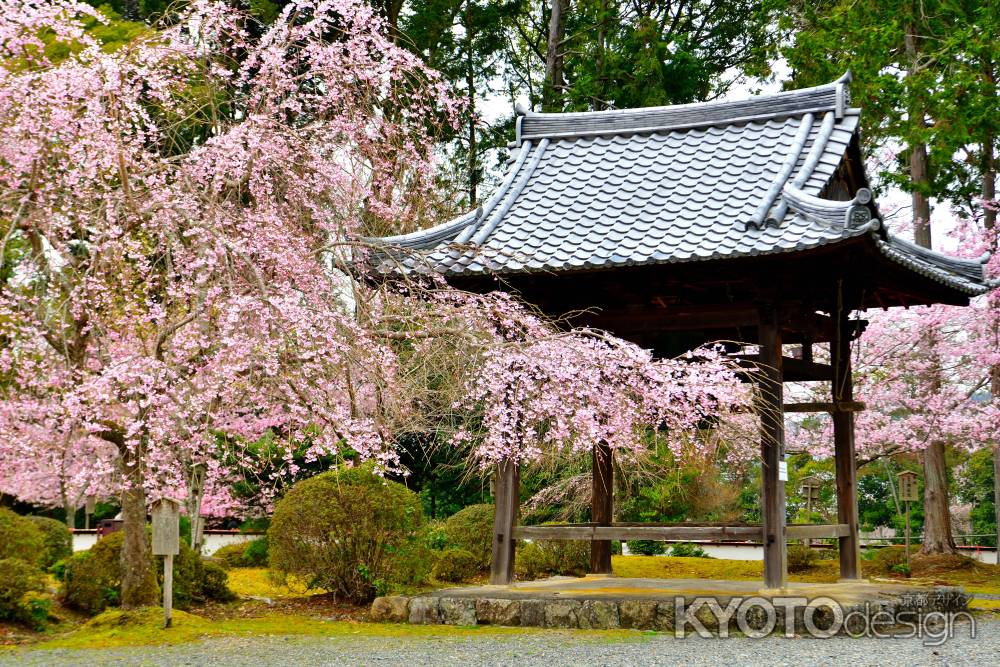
x=542, y=649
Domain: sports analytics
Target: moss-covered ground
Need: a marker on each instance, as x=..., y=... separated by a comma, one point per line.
x=268, y=606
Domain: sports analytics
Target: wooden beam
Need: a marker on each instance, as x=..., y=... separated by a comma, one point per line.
x=772, y=449
x=844, y=455
x=601, y=506
x=507, y=485
x=843, y=406
x=793, y=370
x=672, y=317
x=651, y=532
x=806, y=532
x=673, y=532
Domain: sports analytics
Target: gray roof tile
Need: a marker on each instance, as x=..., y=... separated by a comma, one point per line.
x=671, y=184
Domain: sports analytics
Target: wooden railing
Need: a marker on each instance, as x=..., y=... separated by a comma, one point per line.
x=647, y=531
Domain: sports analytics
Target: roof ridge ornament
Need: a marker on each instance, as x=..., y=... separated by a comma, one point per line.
x=852, y=214
x=791, y=159
x=808, y=167
x=843, y=98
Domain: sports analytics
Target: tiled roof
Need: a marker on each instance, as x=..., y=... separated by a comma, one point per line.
x=671, y=184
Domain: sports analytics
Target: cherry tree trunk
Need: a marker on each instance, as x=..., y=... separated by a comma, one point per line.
x=937, y=517
x=139, y=587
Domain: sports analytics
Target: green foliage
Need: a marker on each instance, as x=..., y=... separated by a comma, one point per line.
x=19, y=580
x=189, y=574
x=646, y=547
x=412, y=562
x=231, y=555
x=255, y=554
x=244, y=554
x=342, y=530
x=893, y=559
x=938, y=89
x=687, y=550
x=472, y=530
x=21, y=538
x=215, y=583
x=256, y=525
x=455, y=565
x=58, y=539
x=975, y=486
x=92, y=578
x=546, y=558
x=621, y=55
x=684, y=493
x=801, y=558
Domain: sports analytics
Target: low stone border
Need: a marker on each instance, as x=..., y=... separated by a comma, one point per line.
x=635, y=614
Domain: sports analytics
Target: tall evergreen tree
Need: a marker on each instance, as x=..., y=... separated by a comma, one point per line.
x=925, y=74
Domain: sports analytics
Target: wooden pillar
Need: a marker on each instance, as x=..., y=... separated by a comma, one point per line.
x=507, y=482
x=772, y=450
x=843, y=444
x=602, y=507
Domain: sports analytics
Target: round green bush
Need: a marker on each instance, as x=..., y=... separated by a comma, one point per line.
x=646, y=547
x=455, y=565
x=92, y=578
x=688, y=550
x=893, y=559
x=20, y=538
x=255, y=553
x=243, y=554
x=58, y=539
x=471, y=529
x=547, y=558
x=801, y=558
x=18, y=581
x=231, y=555
x=342, y=531
x=215, y=583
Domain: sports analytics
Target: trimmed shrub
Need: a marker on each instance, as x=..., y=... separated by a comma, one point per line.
x=92, y=578
x=20, y=538
x=412, y=561
x=434, y=535
x=215, y=583
x=646, y=547
x=58, y=539
x=471, y=529
x=893, y=559
x=547, y=558
x=801, y=558
x=255, y=553
x=231, y=555
x=189, y=573
x=20, y=582
x=243, y=554
x=342, y=531
x=455, y=565
x=688, y=550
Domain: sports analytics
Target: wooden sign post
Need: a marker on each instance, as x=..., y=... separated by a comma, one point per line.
x=907, y=493
x=166, y=543
x=810, y=487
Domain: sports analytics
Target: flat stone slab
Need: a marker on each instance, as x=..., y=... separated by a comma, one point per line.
x=680, y=605
x=602, y=587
